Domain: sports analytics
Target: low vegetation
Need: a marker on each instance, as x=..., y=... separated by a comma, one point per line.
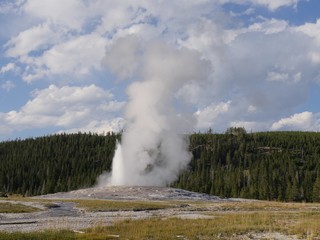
x=48, y=235
x=7, y=207
x=221, y=226
x=228, y=220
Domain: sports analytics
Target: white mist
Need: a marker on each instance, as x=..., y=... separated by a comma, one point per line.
x=154, y=146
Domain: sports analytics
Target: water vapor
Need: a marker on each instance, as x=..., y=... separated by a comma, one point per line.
x=154, y=146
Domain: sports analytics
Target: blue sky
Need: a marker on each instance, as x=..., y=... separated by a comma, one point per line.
x=62, y=70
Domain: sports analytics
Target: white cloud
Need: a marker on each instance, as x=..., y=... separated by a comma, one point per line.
x=305, y=121
x=271, y=26
x=8, y=85
x=271, y=72
x=77, y=56
x=251, y=126
x=284, y=77
x=275, y=4
x=252, y=108
x=312, y=30
x=8, y=68
x=270, y=4
x=33, y=39
x=71, y=13
x=103, y=126
x=10, y=6
x=265, y=69
x=274, y=76
x=66, y=107
x=207, y=116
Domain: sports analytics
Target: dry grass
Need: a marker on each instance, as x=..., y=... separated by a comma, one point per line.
x=229, y=220
x=6, y=207
x=265, y=206
x=222, y=226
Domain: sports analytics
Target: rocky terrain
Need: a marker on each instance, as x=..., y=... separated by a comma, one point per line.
x=138, y=193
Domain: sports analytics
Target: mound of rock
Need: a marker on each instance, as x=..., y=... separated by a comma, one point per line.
x=139, y=193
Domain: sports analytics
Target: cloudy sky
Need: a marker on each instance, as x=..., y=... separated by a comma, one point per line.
x=65, y=65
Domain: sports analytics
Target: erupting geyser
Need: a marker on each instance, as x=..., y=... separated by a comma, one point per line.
x=117, y=167
x=154, y=146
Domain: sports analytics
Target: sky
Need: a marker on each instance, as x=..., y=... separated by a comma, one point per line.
x=65, y=66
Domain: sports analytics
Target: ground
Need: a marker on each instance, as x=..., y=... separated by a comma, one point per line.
x=108, y=206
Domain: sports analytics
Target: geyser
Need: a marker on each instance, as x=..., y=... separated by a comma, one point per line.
x=117, y=167
x=154, y=146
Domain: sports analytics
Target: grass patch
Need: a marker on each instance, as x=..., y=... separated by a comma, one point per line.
x=108, y=205
x=227, y=225
x=230, y=220
x=222, y=226
x=48, y=235
x=6, y=207
x=253, y=206
x=266, y=206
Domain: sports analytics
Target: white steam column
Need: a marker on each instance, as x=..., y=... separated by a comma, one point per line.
x=154, y=147
x=117, y=174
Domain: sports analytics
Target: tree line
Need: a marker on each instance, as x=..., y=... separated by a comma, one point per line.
x=282, y=166
x=49, y=164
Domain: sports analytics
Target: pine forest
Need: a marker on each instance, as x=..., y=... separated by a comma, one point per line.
x=282, y=166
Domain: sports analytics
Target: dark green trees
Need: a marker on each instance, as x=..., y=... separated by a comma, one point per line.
x=281, y=166
x=54, y=163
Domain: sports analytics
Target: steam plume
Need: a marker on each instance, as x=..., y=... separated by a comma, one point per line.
x=154, y=147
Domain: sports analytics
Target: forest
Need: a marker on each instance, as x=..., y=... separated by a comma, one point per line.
x=282, y=166
x=54, y=163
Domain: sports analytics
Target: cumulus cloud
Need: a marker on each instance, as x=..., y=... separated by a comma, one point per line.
x=251, y=126
x=103, y=126
x=275, y=4
x=270, y=4
x=208, y=116
x=260, y=72
x=8, y=68
x=271, y=26
x=8, y=6
x=305, y=121
x=35, y=38
x=65, y=107
x=71, y=14
x=77, y=56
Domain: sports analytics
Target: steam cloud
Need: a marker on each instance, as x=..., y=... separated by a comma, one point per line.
x=154, y=146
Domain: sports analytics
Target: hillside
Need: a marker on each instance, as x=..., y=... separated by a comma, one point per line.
x=281, y=166
x=54, y=163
